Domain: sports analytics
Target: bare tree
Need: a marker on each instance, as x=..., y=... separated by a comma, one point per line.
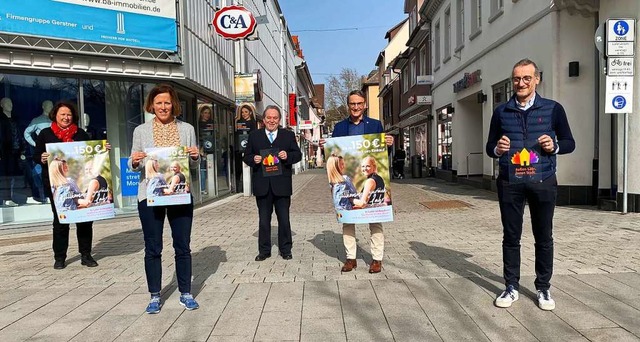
x=338, y=87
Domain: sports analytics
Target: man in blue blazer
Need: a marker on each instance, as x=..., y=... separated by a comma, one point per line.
x=358, y=124
x=272, y=191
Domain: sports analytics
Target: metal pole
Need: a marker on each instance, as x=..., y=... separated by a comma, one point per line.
x=625, y=164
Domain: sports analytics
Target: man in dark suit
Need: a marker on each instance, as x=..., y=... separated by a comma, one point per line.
x=272, y=191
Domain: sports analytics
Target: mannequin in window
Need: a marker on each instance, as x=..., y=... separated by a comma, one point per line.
x=30, y=134
x=10, y=150
x=38, y=123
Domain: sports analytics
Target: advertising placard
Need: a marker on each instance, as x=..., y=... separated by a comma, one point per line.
x=358, y=173
x=80, y=177
x=244, y=88
x=133, y=23
x=167, y=176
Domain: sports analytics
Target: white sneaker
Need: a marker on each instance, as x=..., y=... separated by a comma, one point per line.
x=10, y=203
x=506, y=298
x=545, y=302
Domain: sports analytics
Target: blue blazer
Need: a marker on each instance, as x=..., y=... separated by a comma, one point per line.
x=371, y=126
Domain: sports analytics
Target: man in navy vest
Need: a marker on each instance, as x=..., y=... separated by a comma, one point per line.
x=358, y=124
x=526, y=134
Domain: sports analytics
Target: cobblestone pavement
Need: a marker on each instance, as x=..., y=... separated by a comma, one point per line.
x=442, y=269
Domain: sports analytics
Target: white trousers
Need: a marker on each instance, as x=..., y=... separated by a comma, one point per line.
x=377, y=240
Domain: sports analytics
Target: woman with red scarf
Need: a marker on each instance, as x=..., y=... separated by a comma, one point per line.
x=64, y=128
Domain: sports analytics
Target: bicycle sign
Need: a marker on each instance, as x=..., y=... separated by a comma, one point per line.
x=620, y=66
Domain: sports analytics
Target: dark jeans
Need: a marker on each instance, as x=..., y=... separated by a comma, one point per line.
x=84, y=233
x=180, y=220
x=265, y=209
x=541, y=198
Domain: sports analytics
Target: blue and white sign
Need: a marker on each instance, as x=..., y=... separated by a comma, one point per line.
x=149, y=24
x=129, y=179
x=620, y=30
x=620, y=37
x=619, y=95
x=619, y=102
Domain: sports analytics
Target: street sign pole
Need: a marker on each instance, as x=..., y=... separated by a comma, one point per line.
x=619, y=96
x=625, y=163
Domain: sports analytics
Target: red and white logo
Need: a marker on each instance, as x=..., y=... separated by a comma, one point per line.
x=234, y=22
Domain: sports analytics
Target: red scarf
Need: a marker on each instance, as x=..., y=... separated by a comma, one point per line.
x=66, y=134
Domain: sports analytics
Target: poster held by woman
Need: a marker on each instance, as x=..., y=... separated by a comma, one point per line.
x=80, y=177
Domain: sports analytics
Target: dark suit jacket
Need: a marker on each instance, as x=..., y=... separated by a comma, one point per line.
x=371, y=126
x=285, y=141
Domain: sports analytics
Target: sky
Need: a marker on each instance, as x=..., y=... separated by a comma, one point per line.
x=339, y=45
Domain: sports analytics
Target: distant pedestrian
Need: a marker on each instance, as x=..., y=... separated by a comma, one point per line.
x=273, y=191
x=358, y=124
x=399, y=157
x=528, y=127
x=164, y=130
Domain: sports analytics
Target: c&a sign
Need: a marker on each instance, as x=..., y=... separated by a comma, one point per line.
x=234, y=22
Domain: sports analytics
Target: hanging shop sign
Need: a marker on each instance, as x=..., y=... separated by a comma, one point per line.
x=131, y=23
x=234, y=22
x=292, y=110
x=306, y=124
x=248, y=87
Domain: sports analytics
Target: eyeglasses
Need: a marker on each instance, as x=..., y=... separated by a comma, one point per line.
x=356, y=104
x=525, y=79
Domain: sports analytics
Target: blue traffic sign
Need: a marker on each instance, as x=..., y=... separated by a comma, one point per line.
x=619, y=102
x=621, y=28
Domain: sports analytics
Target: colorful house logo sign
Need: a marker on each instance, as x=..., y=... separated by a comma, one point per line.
x=234, y=22
x=523, y=160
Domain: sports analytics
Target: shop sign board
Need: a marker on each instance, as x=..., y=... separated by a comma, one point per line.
x=424, y=99
x=305, y=124
x=131, y=23
x=424, y=79
x=234, y=22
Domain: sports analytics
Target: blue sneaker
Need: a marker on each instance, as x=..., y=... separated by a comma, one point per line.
x=154, y=305
x=186, y=300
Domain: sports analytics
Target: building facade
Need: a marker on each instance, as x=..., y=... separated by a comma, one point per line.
x=474, y=47
x=108, y=72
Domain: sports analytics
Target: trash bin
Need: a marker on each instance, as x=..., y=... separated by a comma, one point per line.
x=416, y=166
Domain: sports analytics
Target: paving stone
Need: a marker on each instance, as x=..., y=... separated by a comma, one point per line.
x=441, y=272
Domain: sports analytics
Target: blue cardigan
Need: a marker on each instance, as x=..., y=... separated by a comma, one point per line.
x=371, y=126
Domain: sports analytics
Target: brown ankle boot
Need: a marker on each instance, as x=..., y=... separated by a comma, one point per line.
x=349, y=265
x=376, y=266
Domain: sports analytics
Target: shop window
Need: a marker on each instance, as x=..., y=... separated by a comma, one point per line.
x=206, y=142
x=25, y=103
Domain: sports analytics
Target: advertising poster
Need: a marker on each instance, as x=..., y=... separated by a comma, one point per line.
x=80, y=176
x=244, y=87
x=167, y=176
x=149, y=24
x=358, y=173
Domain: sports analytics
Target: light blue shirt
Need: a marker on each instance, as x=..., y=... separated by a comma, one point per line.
x=274, y=134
